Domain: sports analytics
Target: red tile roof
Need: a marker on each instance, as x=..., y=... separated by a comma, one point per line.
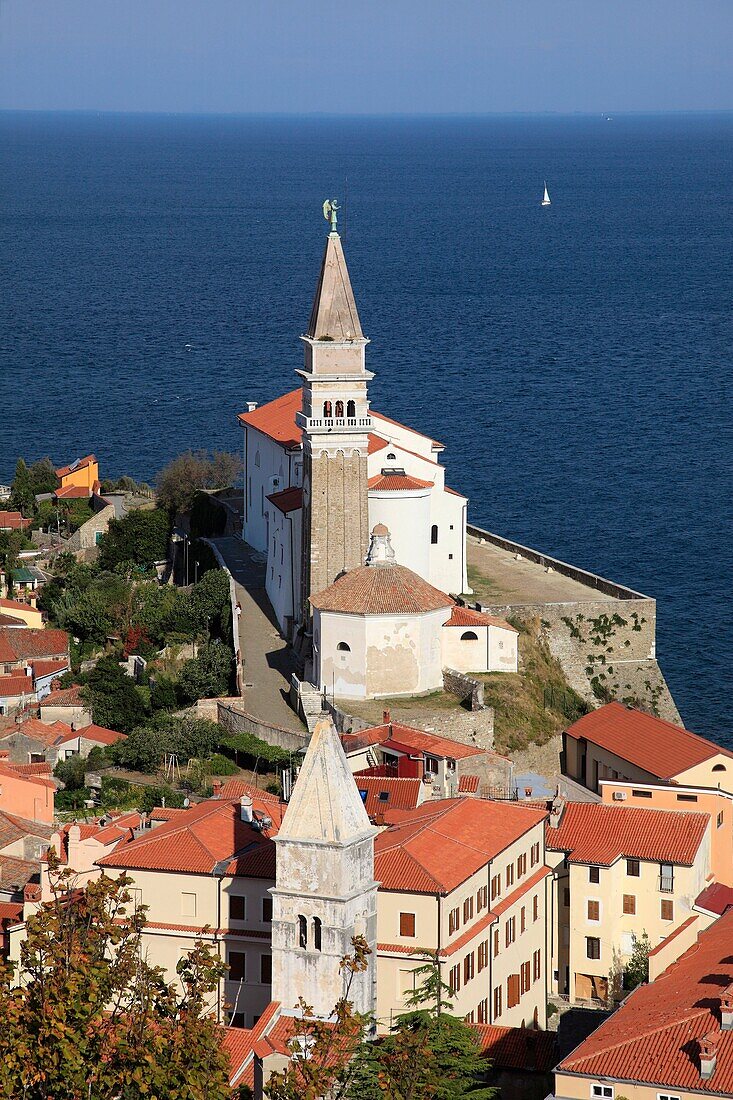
x=18, y=645
x=16, y=605
x=382, y=794
x=397, y=483
x=381, y=590
x=98, y=734
x=12, y=521
x=236, y=787
x=79, y=464
x=468, y=784
x=10, y=620
x=288, y=500
x=594, y=832
x=11, y=912
x=466, y=616
x=653, y=1038
x=715, y=898
x=13, y=828
x=407, y=739
x=64, y=697
x=32, y=769
x=42, y=668
x=658, y=747
x=16, y=873
x=14, y=686
x=517, y=1047
x=45, y=732
x=73, y=492
x=202, y=837
x=440, y=844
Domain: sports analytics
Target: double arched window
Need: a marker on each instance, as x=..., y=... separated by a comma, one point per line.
x=303, y=932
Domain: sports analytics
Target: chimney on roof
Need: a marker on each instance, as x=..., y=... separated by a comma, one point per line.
x=726, y=1008
x=216, y=787
x=251, y=406
x=245, y=808
x=708, y=1055
x=387, y=717
x=556, y=811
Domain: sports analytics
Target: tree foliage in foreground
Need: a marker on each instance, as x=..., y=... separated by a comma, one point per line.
x=93, y=1021
x=430, y=1055
x=188, y=473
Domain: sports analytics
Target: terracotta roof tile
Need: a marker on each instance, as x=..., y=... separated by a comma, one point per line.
x=32, y=642
x=288, y=500
x=92, y=732
x=64, y=697
x=16, y=605
x=79, y=464
x=32, y=769
x=45, y=732
x=12, y=521
x=11, y=912
x=517, y=1047
x=593, y=832
x=381, y=590
x=73, y=492
x=466, y=616
x=14, y=686
x=468, y=784
x=16, y=873
x=715, y=898
x=447, y=841
x=397, y=483
x=382, y=794
x=236, y=787
x=658, y=747
x=653, y=1038
x=10, y=620
x=48, y=668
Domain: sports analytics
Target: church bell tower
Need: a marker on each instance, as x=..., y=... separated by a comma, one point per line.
x=335, y=422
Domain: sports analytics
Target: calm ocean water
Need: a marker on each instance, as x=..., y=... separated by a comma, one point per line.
x=156, y=273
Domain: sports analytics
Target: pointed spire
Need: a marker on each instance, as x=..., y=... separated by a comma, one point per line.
x=334, y=314
x=325, y=805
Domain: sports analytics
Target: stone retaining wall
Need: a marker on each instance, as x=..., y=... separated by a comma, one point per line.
x=234, y=609
x=236, y=720
x=465, y=688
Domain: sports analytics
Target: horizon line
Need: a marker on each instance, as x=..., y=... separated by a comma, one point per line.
x=585, y=113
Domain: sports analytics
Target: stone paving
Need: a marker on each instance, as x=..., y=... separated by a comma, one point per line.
x=266, y=656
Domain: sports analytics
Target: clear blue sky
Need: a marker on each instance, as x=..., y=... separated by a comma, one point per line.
x=366, y=56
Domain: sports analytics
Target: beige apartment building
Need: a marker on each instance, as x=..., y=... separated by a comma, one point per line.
x=671, y=1040
x=619, y=872
x=466, y=879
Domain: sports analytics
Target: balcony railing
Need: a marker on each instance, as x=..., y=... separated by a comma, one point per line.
x=332, y=423
x=666, y=884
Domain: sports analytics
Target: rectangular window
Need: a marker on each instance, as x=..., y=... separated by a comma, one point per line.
x=566, y=896
x=469, y=1017
x=630, y=904
x=594, y=910
x=266, y=969
x=687, y=798
x=454, y=978
x=407, y=924
x=667, y=910
x=640, y=794
x=482, y=1012
x=536, y=965
x=496, y=942
x=535, y=853
x=666, y=878
x=594, y=874
x=483, y=955
x=236, y=908
x=510, y=875
x=266, y=910
x=720, y=819
x=512, y=990
x=536, y=907
x=525, y=978
x=522, y=919
x=468, y=909
x=632, y=868
x=666, y=1096
x=468, y=967
x=454, y=921
x=188, y=905
x=605, y=1092
x=511, y=930
x=522, y=865
x=592, y=947
x=495, y=887
x=237, y=966
x=482, y=898
x=497, y=1002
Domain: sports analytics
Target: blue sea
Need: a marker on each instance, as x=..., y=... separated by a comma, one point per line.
x=156, y=272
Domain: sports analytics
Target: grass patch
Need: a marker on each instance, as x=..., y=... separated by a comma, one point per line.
x=484, y=587
x=535, y=704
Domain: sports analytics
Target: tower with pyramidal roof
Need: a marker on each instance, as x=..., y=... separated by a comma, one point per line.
x=325, y=892
x=335, y=423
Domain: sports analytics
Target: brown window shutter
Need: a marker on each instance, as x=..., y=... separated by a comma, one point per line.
x=512, y=989
x=630, y=903
x=594, y=910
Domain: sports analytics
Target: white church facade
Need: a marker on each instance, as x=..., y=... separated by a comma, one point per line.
x=323, y=473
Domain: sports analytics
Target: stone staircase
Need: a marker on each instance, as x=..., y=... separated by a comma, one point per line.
x=310, y=702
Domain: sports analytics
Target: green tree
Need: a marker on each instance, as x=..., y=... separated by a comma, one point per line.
x=71, y=772
x=42, y=476
x=163, y=694
x=114, y=700
x=636, y=970
x=183, y=477
x=208, y=675
x=430, y=993
x=89, y=1017
x=22, y=496
x=140, y=538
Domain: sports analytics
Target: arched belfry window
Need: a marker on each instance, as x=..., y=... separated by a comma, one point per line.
x=339, y=410
x=327, y=409
x=302, y=931
x=351, y=409
x=317, y=928
x=434, y=534
x=469, y=636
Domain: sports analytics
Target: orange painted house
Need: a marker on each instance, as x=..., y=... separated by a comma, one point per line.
x=78, y=479
x=27, y=796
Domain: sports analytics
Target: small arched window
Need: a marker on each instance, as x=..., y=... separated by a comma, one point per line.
x=339, y=410
x=302, y=932
x=343, y=647
x=317, y=928
x=391, y=457
x=718, y=767
x=469, y=636
x=327, y=409
x=434, y=534
x=351, y=409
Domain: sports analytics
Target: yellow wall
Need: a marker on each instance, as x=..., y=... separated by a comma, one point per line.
x=568, y=1087
x=84, y=476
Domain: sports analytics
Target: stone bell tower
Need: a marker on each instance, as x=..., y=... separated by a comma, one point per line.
x=336, y=423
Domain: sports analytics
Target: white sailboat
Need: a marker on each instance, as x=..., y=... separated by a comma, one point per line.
x=546, y=197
